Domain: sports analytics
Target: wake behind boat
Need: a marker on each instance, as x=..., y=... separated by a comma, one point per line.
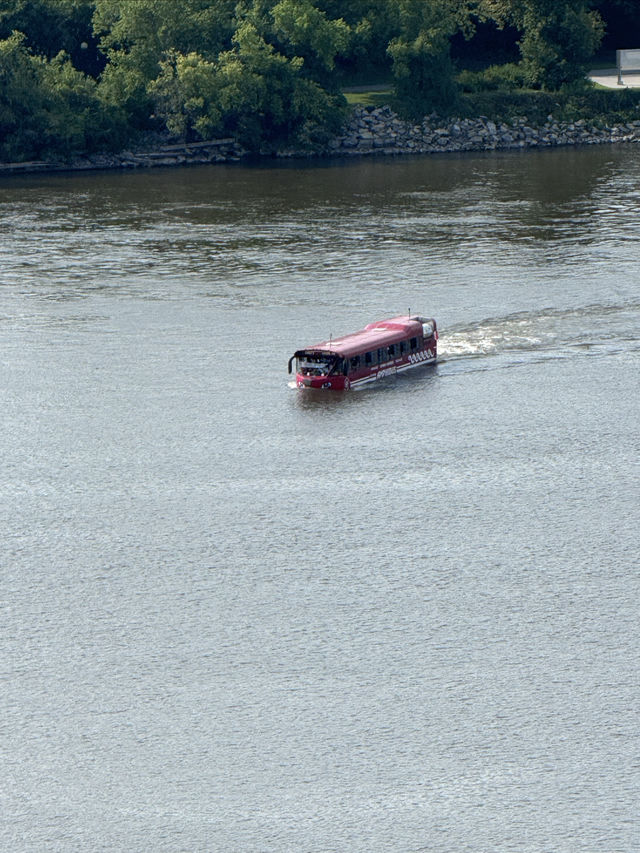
x=380, y=349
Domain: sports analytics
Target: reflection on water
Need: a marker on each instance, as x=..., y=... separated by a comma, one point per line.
x=236, y=226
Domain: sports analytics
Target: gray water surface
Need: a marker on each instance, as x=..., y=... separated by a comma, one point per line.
x=238, y=617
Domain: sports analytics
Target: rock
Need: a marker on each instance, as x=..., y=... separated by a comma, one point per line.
x=380, y=130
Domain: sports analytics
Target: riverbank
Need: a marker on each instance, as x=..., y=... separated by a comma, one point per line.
x=142, y=157
x=381, y=131
x=370, y=131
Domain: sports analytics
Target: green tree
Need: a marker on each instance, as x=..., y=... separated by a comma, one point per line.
x=268, y=82
x=186, y=95
x=422, y=68
x=21, y=100
x=252, y=92
x=138, y=35
x=299, y=29
x=145, y=30
x=267, y=101
x=48, y=108
x=558, y=37
x=50, y=26
x=78, y=122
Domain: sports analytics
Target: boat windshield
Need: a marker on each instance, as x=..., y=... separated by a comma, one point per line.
x=310, y=365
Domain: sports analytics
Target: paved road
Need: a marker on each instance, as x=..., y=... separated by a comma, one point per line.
x=609, y=77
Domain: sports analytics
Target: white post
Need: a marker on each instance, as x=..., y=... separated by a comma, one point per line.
x=619, y=64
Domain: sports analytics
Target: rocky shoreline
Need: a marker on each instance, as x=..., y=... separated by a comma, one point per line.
x=370, y=131
x=381, y=131
x=178, y=154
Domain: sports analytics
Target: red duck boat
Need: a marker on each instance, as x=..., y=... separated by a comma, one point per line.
x=380, y=349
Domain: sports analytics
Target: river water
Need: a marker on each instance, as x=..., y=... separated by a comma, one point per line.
x=239, y=617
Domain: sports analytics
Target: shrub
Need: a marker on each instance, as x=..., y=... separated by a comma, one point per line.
x=508, y=77
x=50, y=110
x=569, y=104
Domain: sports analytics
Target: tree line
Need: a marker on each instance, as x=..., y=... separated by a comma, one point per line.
x=80, y=76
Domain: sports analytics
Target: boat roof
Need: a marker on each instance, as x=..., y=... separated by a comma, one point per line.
x=379, y=334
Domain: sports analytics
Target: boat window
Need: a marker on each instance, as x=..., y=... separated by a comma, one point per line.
x=368, y=358
x=402, y=347
x=427, y=329
x=313, y=366
x=354, y=364
x=392, y=351
x=413, y=344
x=382, y=355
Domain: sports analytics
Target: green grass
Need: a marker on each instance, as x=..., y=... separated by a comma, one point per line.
x=369, y=98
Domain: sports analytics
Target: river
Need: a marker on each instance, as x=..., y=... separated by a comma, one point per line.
x=239, y=617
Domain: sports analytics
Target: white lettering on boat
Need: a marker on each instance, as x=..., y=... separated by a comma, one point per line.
x=387, y=371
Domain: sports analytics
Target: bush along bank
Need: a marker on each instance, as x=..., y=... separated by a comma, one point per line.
x=381, y=131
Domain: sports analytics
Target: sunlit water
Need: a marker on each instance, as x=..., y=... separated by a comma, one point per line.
x=238, y=617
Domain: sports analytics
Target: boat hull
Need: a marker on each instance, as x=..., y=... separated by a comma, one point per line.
x=365, y=377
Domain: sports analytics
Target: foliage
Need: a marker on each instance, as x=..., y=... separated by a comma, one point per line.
x=507, y=77
x=422, y=67
x=372, y=25
x=597, y=107
x=186, y=93
x=87, y=74
x=48, y=108
x=252, y=92
x=137, y=36
x=302, y=30
x=559, y=39
x=260, y=70
x=144, y=30
x=265, y=99
x=49, y=27
x=20, y=100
